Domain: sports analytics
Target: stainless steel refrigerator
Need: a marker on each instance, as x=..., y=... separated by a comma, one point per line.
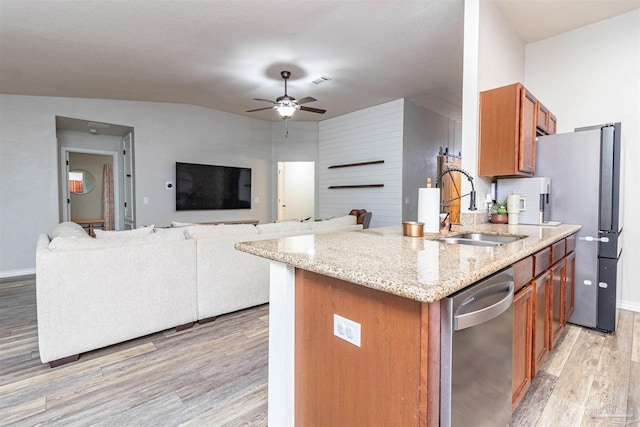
x=585, y=170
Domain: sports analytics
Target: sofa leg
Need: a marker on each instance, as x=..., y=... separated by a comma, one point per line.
x=64, y=361
x=185, y=326
x=207, y=319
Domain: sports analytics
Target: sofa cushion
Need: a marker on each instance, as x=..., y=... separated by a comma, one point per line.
x=282, y=227
x=73, y=243
x=170, y=234
x=69, y=229
x=181, y=224
x=126, y=234
x=343, y=221
x=212, y=231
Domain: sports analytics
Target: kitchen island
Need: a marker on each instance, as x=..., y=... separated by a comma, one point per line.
x=391, y=286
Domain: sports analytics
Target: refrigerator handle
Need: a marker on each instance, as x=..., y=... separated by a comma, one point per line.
x=594, y=239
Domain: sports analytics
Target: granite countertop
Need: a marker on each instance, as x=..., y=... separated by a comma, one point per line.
x=418, y=268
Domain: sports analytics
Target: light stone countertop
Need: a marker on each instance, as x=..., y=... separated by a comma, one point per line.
x=412, y=267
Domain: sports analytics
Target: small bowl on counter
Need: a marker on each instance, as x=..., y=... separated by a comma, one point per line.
x=413, y=229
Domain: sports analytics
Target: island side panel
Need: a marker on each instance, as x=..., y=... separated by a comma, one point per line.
x=281, y=345
x=340, y=384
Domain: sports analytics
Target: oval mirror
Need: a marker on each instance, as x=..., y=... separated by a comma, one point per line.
x=81, y=181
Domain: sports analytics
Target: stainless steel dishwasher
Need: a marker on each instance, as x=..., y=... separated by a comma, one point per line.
x=476, y=350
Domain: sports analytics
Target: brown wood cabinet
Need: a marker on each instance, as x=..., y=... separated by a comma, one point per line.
x=556, y=302
x=543, y=118
x=546, y=122
x=522, y=343
x=334, y=385
x=541, y=287
x=551, y=127
x=569, y=286
x=510, y=119
x=508, y=122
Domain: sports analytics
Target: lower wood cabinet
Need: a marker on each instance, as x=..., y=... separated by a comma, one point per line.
x=541, y=308
x=541, y=288
x=522, y=342
x=569, y=286
x=556, y=302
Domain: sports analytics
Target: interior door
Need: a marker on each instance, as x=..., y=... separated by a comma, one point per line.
x=129, y=205
x=296, y=190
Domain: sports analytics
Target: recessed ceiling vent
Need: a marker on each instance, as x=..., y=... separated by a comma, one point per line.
x=320, y=80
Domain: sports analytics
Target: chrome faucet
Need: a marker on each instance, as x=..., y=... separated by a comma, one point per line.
x=472, y=193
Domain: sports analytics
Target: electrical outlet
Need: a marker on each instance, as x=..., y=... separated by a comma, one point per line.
x=346, y=329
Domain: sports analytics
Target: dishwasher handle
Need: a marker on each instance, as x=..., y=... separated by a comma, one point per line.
x=467, y=320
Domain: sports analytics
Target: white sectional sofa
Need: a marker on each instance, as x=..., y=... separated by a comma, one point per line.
x=93, y=293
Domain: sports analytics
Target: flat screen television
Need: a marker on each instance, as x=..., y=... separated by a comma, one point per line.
x=209, y=187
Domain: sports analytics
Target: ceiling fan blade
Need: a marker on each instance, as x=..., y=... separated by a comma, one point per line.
x=262, y=99
x=259, y=109
x=305, y=100
x=313, y=110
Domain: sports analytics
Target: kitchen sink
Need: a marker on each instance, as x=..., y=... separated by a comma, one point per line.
x=480, y=239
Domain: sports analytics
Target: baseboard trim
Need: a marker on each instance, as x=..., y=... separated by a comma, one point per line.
x=17, y=273
x=629, y=305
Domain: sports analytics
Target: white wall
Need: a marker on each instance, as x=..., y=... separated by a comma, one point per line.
x=425, y=133
x=370, y=134
x=590, y=76
x=494, y=57
x=164, y=133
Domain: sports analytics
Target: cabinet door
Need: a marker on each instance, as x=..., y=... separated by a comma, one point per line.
x=543, y=118
x=541, y=285
x=556, y=303
x=569, y=286
x=551, y=129
x=528, y=121
x=522, y=342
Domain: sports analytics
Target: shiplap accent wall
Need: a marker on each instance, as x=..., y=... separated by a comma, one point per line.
x=371, y=134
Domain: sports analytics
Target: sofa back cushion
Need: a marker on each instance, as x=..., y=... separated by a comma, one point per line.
x=343, y=221
x=126, y=234
x=199, y=232
x=73, y=243
x=340, y=222
x=282, y=227
x=69, y=229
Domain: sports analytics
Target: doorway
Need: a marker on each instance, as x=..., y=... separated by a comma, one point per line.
x=296, y=190
x=82, y=184
x=94, y=145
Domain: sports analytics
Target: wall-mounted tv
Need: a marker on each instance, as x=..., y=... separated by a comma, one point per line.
x=207, y=187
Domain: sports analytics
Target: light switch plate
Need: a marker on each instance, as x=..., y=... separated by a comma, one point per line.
x=346, y=329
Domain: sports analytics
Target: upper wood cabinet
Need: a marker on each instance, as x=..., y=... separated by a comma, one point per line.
x=510, y=119
x=543, y=118
x=546, y=121
x=551, y=127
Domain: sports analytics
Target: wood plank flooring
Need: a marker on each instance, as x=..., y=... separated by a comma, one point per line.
x=216, y=375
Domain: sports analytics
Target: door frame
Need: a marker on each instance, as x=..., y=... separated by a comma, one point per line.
x=65, y=196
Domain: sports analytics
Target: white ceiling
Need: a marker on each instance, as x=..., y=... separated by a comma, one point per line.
x=222, y=53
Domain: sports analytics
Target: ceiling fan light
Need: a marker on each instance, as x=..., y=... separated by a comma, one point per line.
x=286, y=108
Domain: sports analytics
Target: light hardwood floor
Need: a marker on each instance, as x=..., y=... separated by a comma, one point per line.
x=216, y=375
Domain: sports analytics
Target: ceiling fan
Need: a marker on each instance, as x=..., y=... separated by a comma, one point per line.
x=287, y=105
